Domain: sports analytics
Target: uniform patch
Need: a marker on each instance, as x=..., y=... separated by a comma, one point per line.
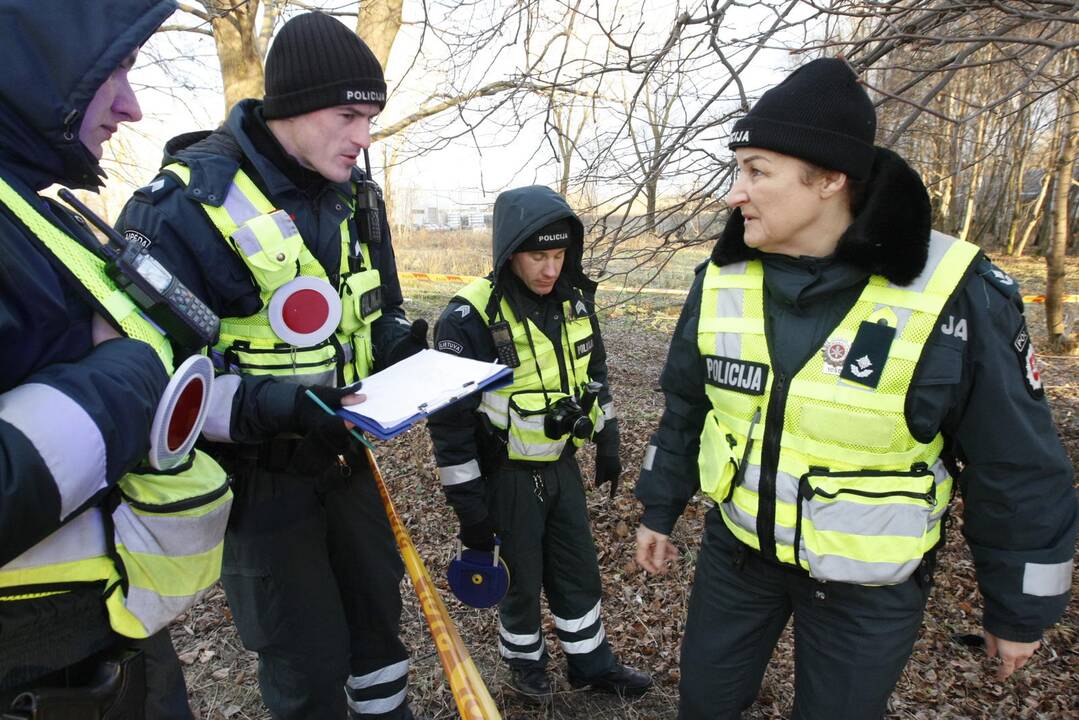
x=835, y=352
x=957, y=328
x=134, y=236
x=868, y=353
x=743, y=376
x=584, y=347
x=999, y=279
x=450, y=346
x=1028, y=362
x=464, y=310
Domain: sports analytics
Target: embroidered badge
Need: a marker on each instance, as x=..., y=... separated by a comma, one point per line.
x=583, y=347
x=743, y=376
x=450, y=346
x=134, y=236
x=1028, y=362
x=835, y=352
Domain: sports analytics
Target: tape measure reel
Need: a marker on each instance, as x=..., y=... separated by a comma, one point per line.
x=305, y=311
x=181, y=413
x=477, y=578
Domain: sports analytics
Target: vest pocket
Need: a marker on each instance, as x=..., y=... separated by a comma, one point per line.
x=269, y=245
x=361, y=300
x=526, y=439
x=716, y=459
x=869, y=527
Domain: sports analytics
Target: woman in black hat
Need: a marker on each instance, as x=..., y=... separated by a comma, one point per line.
x=836, y=364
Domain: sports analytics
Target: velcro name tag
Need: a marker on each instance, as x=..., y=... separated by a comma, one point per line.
x=743, y=376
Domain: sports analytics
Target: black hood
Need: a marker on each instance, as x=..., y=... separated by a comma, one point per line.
x=55, y=55
x=520, y=213
x=889, y=236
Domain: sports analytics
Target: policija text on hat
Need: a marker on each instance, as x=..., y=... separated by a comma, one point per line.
x=837, y=371
x=269, y=220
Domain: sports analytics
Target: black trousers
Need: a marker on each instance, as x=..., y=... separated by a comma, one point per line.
x=312, y=574
x=851, y=641
x=55, y=641
x=542, y=519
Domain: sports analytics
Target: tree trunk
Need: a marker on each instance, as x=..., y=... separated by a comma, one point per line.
x=1035, y=215
x=377, y=23
x=975, y=179
x=237, y=48
x=1056, y=272
x=1017, y=183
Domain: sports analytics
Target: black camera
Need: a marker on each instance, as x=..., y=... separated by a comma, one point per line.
x=568, y=416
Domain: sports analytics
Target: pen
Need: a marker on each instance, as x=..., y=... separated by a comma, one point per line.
x=329, y=409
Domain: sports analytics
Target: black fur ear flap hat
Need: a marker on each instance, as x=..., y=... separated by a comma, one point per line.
x=889, y=236
x=820, y=113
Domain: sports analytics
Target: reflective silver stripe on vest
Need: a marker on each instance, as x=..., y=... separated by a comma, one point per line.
x=939, y=245
x=497, y=408
x=218, y=426
x=584, y=646
x=730, y=303
x=82, y=538
x=326, y=377
x=578, y=624
x=170, y=535
x=533, y=424
x=378, y=705
x=786, y=484
x=1047, y=580
x=608, y=410
x=649, y=457
x=837, y=567
x=76, y=457
x=784, y=534
x=457, y=474
x=237, y=205
x=382, y=675
x=156, y=611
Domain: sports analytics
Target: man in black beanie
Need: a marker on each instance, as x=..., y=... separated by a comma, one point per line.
x=835, y=364
x=271, y=223
x=506, y=458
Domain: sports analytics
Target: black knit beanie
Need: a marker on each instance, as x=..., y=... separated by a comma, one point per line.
x=820, y=113
x=316, y=62
x=552, y=236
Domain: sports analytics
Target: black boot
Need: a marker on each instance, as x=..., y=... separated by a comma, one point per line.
x=531, y=682
x=620, y=680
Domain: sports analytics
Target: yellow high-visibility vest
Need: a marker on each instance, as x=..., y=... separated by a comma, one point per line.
x=519, y=408
x=155, y=546
x=857, y=498
x=266, y=240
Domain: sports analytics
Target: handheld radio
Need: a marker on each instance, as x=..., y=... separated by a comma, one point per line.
x=367, y=197
x=162, y=298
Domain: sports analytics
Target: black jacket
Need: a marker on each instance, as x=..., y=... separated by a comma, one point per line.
x=1020, y=507
x=168, y=218
x=73, y=417
x=458, y=433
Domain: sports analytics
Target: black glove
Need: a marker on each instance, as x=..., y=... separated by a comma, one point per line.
x=479, y=536
x=324, y=436
x=608, y=469
x=412, y=343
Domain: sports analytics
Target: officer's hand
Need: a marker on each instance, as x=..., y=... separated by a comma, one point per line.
x=608, y=469
x=654, y=551
x=1013, y=654
x=414, y=342
x=480, y=535
x=325, y=436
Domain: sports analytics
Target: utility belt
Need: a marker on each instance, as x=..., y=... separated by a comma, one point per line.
x=112, y=687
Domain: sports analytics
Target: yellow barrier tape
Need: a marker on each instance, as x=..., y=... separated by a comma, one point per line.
x=473, y=700
x=464, y=279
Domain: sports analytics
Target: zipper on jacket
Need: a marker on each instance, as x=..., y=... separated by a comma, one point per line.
x=766, y=492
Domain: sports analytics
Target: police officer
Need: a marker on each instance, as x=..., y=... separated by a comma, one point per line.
x=504, y=469
x=78, y=391
x=269, y=221
x=836, y=368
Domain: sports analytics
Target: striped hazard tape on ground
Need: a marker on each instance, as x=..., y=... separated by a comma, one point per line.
x=464, y=279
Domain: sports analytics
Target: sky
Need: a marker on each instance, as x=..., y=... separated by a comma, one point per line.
x=467, y=171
